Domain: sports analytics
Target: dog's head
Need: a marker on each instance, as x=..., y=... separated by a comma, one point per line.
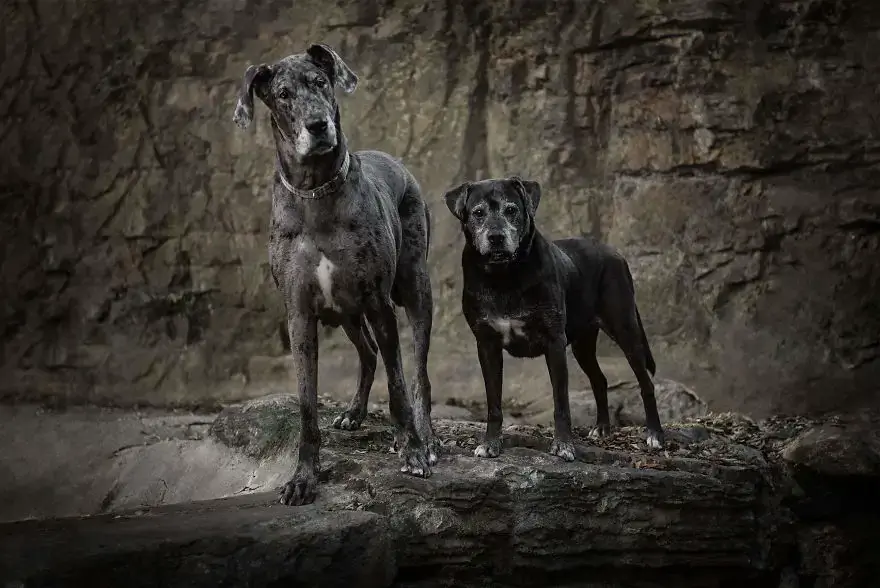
x=497, y=216
x=299, y=91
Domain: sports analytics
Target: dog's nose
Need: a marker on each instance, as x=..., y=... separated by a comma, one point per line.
x=496, y=240
x=316, y=127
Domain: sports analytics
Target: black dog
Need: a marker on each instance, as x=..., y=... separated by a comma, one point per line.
x=349, y=237
x=531, y=297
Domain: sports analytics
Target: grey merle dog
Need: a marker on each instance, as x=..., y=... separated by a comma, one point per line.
x=531, y=296
x=348, y=242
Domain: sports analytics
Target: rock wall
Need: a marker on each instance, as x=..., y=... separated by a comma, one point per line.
x=729, y=148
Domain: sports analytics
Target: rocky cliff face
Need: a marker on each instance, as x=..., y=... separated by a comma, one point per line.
x=728, y=148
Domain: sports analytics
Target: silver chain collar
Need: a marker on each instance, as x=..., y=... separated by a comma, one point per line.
x=334, y=184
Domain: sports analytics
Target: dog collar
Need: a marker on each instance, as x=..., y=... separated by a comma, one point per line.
x=324, y=189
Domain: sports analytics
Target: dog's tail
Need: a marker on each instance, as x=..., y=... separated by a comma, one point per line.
x=427, y=230
x=649, y=357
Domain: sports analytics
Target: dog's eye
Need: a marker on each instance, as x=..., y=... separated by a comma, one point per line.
x=320, y=82
x=478, y=213
x=283, y=94
x=510, y=210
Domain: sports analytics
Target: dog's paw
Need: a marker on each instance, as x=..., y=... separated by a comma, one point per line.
x=432, y=449
x=415, y=461
x=655, y=439
x=432, y=452
x=348, y=421
x=563, y=449
x=489, y=448
x=600, y=430
x=301, y=489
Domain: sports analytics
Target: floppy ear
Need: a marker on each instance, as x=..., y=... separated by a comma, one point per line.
x=254, y=77
x=340, y=74
x=531, y=192
x=456, y=199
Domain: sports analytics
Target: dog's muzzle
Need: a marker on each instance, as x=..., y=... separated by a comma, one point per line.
x=316, y=137
x=317, y=127
x=497, y=247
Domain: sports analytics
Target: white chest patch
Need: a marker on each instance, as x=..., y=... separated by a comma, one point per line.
x=324, y=274
x=508, y=328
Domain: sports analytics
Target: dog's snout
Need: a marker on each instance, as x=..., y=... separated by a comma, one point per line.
x=496, y=239
x=317, y=127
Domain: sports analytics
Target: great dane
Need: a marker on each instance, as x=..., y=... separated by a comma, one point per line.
x=530, y=297
x=348, y=242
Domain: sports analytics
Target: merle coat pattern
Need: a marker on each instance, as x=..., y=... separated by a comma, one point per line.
x=530, y=297
x=349, y=238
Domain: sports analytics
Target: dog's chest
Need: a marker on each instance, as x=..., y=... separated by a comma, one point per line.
x=510, y=329
x=332, y=257
x=322, y=272
x=523, y=331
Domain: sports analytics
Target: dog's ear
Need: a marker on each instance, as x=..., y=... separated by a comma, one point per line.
x=340, y=74
x=456, y=199
x=255, y=76
x=531, y=192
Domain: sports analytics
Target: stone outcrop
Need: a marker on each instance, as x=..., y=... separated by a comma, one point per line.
x=228, y=542
x=729, y=502
x=729, y=149
x=89, y=460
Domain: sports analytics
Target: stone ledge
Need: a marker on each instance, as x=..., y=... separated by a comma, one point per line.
x=241, y=541
x=524, y=518
x=718, y=507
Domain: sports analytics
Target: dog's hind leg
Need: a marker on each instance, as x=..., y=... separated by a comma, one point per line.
x=636, y=359
x=412, y=288
x=620, y=316
x=419, y=307
x=383, y=320
x=584, y=351
x=359, y=334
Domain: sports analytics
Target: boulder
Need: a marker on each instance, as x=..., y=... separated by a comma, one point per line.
x=840, y=448
x=676, y=403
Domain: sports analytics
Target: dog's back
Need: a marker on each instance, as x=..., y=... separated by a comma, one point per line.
x=386, y=171
x=588, y=254
x=595, y=264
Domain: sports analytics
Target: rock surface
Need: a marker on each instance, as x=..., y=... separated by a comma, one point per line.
x=719, y=507
x=246, y=541
x=728, y=148
x=847, y=448
x=89, y=460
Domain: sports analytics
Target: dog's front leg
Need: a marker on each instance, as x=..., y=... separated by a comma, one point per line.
x=492, y=365
x=411, y=447
x=557, y=365
x=303, y=331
